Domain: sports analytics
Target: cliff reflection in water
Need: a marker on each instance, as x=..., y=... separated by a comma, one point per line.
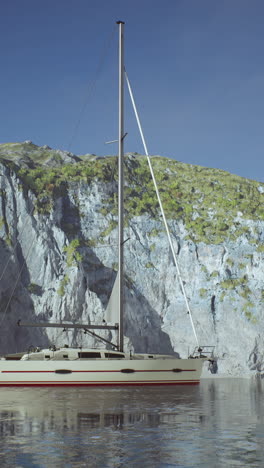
x=216, y=424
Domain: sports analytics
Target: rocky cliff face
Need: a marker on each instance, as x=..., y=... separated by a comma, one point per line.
x=58, y=254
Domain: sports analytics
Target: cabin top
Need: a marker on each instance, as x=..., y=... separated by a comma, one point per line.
x=70, y=354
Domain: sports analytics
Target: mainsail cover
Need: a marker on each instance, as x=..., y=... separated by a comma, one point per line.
x=111, y=313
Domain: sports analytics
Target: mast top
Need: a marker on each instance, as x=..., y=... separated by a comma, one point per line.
x=120, y=22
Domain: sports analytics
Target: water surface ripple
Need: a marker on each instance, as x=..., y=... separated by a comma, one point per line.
x=216, y=424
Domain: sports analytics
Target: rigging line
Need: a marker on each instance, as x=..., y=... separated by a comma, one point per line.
x=16, y=283
x=16, y=244
x=91, y=85
x=161, y=208
x=59, y=335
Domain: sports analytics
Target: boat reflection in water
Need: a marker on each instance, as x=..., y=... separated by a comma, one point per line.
x=61, y=409
x=216, y=424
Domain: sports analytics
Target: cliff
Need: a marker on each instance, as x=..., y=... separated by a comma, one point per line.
x=58, y=253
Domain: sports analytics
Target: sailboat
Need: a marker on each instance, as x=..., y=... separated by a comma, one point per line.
x=68, y=366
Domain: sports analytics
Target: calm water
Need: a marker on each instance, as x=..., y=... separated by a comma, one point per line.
x=219, y=423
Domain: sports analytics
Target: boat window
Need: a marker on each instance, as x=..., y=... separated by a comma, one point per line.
x=114, y=355
x=47, y=357
x=150, y=357
x=65, y=356
x=89, y=354
x=13, y=358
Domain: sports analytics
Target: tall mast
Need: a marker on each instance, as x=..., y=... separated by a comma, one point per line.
x=121, y=187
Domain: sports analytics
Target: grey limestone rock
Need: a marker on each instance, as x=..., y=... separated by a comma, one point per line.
x=58, y=254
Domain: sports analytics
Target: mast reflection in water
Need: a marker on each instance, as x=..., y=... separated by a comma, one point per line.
x=216, y=424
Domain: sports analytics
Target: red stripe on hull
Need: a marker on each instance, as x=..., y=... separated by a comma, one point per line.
x=89, y=371
x=95, y=384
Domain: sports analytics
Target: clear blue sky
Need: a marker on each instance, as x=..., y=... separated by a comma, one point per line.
x=196, y=68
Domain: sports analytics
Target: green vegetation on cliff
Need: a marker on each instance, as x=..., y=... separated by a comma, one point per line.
x=213, y=204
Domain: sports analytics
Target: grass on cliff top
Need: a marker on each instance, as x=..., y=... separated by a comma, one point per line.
x=212, y=203
x=36, y=155
x=16, y=151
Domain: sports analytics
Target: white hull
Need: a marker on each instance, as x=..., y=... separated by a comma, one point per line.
x=101, y=372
